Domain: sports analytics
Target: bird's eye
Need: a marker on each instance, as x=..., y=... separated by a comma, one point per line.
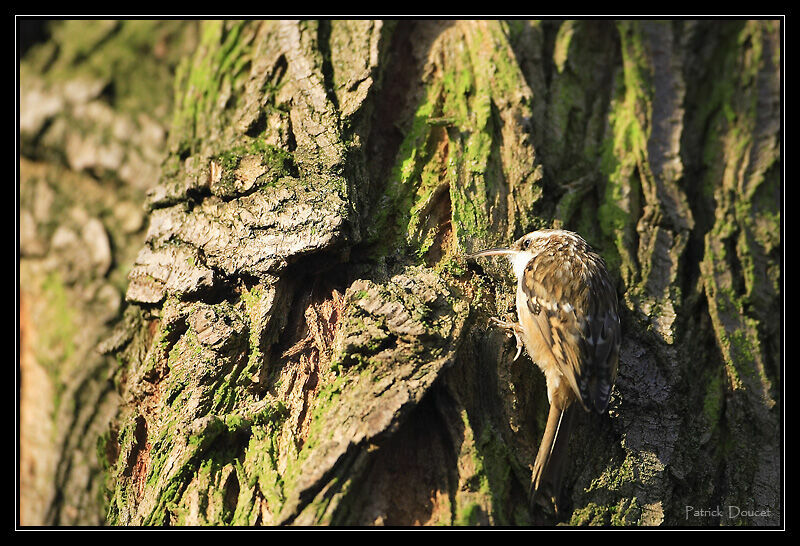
x=525, y=244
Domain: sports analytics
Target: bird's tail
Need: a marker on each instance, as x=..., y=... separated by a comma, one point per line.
x=549, y=464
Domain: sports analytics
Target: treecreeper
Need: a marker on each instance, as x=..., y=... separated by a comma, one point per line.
x=569, y=324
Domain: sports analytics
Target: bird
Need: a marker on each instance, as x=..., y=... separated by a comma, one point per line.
x=568, y=321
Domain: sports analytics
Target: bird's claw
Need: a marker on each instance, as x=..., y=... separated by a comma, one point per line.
x=513, y=328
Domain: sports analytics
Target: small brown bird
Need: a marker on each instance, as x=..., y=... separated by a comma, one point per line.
x=568, y=322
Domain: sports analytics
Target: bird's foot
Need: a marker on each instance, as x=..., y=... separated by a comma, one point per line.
x=512, y=328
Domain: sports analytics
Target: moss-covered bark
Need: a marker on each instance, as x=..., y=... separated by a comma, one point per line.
x=303, y=342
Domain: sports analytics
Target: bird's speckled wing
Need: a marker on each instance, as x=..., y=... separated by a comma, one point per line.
x=574, y=308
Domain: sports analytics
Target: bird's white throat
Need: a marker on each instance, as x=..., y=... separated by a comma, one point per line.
x=519, y=260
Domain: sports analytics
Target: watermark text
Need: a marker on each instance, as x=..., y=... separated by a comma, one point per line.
x=729, y=512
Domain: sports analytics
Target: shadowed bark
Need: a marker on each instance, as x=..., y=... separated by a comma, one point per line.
x=302, y=341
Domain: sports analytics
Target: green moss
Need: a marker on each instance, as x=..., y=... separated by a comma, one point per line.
x=469, y=515
x=204, y=379
x=744, y=356
x=626, y=512
x=394, y=211
x=254, y=300
x=591, y=515
x=246, y=509
x=318, y=431
x=494, y=455
x=171, y=479
x=743, y=350
x=279, y=162
x=218, y=61
x=102, y=449
x=624, y=152
x=57, y=332
x=451, y=145
x=713, y=399
x=747, y=219
x=58, y=329
x=259, y=466
x=613, y=477
x=491, y=477
x=452, y=266
x=563, y=40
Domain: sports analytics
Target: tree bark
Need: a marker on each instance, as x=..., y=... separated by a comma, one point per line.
x=94, y=104
x=303, y=342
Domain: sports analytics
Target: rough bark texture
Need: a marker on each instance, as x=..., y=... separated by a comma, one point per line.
x=303, y=342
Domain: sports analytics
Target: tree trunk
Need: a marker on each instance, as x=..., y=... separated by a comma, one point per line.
x=303, y=341
x=94, y=104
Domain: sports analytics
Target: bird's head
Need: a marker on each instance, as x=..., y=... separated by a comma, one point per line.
x=520, y=252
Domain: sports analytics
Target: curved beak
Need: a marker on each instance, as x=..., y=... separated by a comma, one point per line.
x=492, y=252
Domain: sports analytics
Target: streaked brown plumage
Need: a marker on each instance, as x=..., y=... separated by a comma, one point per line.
x=569, y=324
